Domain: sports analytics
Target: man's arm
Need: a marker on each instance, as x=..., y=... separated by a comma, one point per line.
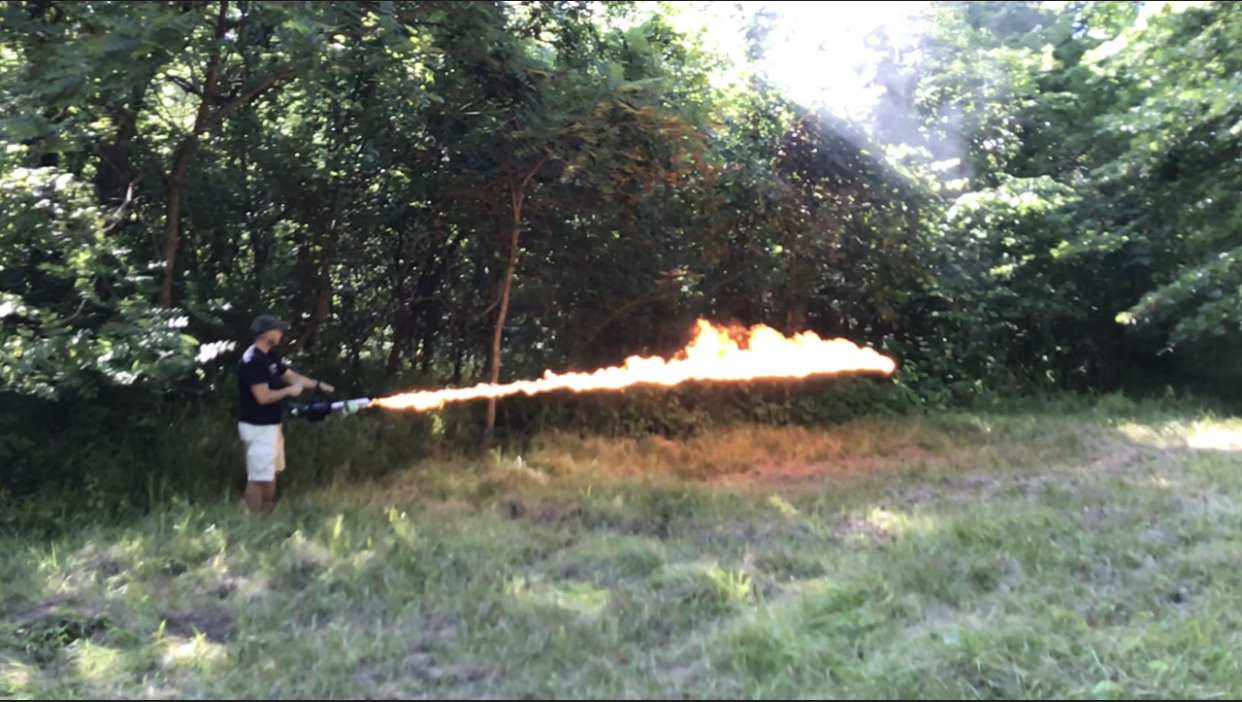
x=255, y=377
x=266, y=396
x=292, y=377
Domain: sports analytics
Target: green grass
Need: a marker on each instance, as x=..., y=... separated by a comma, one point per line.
x=1088, y=555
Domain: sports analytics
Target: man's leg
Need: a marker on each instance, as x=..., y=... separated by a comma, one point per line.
x=261, y=448
x=254, y=496
x=270, y=497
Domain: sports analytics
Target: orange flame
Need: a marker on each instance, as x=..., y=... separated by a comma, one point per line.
x=712, y=355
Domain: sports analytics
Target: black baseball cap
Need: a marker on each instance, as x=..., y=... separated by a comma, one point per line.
x=265, y=323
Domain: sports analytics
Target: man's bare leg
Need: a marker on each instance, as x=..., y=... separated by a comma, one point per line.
x=269, y=496
x=258, y=496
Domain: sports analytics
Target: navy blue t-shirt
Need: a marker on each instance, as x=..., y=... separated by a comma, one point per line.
x=254, y=368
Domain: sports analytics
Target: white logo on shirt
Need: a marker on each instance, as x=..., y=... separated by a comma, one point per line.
x=272, y=369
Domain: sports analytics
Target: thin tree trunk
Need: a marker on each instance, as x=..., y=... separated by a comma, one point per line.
x=505, y=286
x=400, y=334
x=458, y=357
x=518, y=196
x=114, y=175
x=172, y=229
x=319, y=311
x=327, y=252
x=427, y=350
x=795, y=306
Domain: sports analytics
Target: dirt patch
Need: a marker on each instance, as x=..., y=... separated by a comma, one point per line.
x=391, y=691
x=780, y=474
x=216, y=623
x=969, y=483
x=20, y=608
x=424, y=663
x=1094, y=517
x=1162, y=537
x=435, y=633
x=49, y=626
x=107, y=561
x=302, y=571
x=1180, y=596
x=920, y=496
x=792, y=474
x=811, y=474
x=1118, y=461
x=790, y=566
x=591, y=519
x=449, y=506
x=854, y=527
x=943, y=623
x=718, y=535
x=436, y=669
x=223, y=589
x=513, y=508
x=687, y=675
x=1108, y=614
x=76, y=621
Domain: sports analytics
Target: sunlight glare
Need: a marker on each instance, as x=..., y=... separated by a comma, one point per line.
x=1215, y=438
x=901, y=523
x=816, y=51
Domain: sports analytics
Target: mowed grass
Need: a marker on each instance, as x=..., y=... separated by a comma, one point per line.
x=1015, y=556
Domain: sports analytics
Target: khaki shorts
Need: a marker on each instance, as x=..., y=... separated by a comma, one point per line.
x=265, y=451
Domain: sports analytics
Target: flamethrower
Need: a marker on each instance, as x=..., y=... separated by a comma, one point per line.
x=317, y=410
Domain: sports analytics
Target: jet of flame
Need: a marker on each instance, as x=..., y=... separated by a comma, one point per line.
x=714, y=354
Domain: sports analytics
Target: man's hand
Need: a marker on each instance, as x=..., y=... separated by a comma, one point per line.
x=326, y=388
x=294, y=390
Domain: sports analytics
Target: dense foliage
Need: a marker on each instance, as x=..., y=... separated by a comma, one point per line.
x=448, y=192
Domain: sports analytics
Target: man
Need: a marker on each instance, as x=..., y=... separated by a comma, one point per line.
x=263, y=384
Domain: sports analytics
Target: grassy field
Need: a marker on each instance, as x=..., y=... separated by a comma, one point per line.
x=1088, y=555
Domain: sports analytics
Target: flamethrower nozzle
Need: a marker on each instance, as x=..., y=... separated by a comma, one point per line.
x=352, y=406
x=317, y=411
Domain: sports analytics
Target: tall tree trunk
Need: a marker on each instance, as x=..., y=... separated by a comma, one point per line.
x=181, y=161
x=320, y=309
x=307, y=267
x=458, y=334
x=204, y=121
x=417, y=305
x=795, y=305
x=427, y=350
x=506, y=286
x=401, y=332
x=114, y=175
x=172, y=225
x=517, y=194
x=327, y=252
